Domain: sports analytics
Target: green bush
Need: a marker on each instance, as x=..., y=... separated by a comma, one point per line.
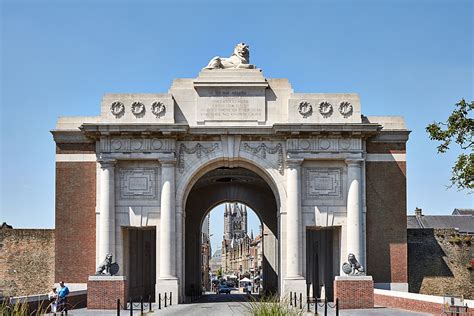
x=272, y=306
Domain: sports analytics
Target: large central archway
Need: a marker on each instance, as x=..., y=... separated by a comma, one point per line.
x=220, y=185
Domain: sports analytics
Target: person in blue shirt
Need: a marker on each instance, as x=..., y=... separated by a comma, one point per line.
x=63, y=292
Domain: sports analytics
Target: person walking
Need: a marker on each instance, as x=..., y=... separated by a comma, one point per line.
x=63, y=293
x=53, y=298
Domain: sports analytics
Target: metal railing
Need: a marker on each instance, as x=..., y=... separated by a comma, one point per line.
x=135, y=305
x=296, y=300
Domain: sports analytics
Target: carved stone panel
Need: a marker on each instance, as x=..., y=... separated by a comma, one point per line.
x=323, y=144
x=138, y=183
x=323, y=183
x=138, y=145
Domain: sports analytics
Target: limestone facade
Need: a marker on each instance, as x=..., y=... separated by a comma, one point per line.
x=300, y=160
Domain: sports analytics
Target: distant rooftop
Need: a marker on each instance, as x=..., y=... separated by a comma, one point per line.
x=461, y=219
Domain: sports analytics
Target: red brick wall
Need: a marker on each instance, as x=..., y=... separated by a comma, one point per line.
x=75, y=221
x=386, y=215
x=354, y=294
x=104, y=294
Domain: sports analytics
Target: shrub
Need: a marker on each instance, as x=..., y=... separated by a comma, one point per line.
x=272, y=306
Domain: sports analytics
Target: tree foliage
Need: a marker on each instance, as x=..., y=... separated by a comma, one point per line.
x=459, y=128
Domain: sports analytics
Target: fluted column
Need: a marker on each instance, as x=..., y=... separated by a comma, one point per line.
x=168, y=220
x=107, y=209
x=294, y=254
x=355, y=238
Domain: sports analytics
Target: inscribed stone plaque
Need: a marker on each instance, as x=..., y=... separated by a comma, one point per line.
x=231, y=104
x=323, y=183
x=138, y=183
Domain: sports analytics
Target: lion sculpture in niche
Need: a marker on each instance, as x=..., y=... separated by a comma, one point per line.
x=239, y=59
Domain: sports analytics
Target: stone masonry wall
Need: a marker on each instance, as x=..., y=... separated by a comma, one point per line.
x=439, y=262
x=26, y=261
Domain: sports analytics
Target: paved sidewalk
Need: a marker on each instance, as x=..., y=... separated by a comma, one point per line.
x=232, y=304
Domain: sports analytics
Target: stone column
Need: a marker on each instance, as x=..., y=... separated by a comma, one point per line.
x=355, y=238
x=166, y=278
x=168, y=219
x=107, y=208
x=294, y=253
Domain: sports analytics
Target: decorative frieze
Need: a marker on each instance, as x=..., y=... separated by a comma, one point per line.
x=198, y=149
x=324, y=144
x=138, y=183
x=135, y=145
x=262, y=150
x=323, y=183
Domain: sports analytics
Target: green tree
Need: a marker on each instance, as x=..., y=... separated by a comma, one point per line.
x=219, y=273
x=458, y=128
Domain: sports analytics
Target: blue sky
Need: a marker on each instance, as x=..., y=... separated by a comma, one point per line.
x=409, y=58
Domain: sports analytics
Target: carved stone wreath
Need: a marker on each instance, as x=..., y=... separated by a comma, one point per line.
x=305, y=109
x=138, y=108
x=158, y=109
x=325, y=108
x=346, y=109
x=117, y=108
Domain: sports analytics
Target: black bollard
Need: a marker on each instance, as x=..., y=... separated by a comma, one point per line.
x=301, y=300
x=149, y=303
x=295, y=300
x=118, y=307
x=131, y=307
x=291, y=298
x=337, y=307
x=325, y=307
x=171, y=296
x=166, y=300
x=141, y=305
x=159, y=300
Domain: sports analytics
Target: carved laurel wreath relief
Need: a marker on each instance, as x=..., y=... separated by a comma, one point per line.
x=117, y=108
x=346, y=109
x=305, y=109
x=138, y=108
x=158, y=109
x=325, y=108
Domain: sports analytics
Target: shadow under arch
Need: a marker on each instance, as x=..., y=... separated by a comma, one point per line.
x=219, y=185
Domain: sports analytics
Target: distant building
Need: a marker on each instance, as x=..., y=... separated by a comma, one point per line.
x=241, y=254
x=205, y=253
x=215, y=263
x=461, y=219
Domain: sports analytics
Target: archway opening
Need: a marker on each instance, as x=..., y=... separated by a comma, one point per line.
x=241, y=187
x=232, y=250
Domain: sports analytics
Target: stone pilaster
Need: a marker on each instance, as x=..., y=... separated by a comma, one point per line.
x=355, y=235
x=107, y=208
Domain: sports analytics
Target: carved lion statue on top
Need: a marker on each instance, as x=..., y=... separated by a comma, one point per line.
x=239, y=59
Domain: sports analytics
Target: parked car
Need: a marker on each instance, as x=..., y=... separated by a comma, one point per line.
x=224, y=289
